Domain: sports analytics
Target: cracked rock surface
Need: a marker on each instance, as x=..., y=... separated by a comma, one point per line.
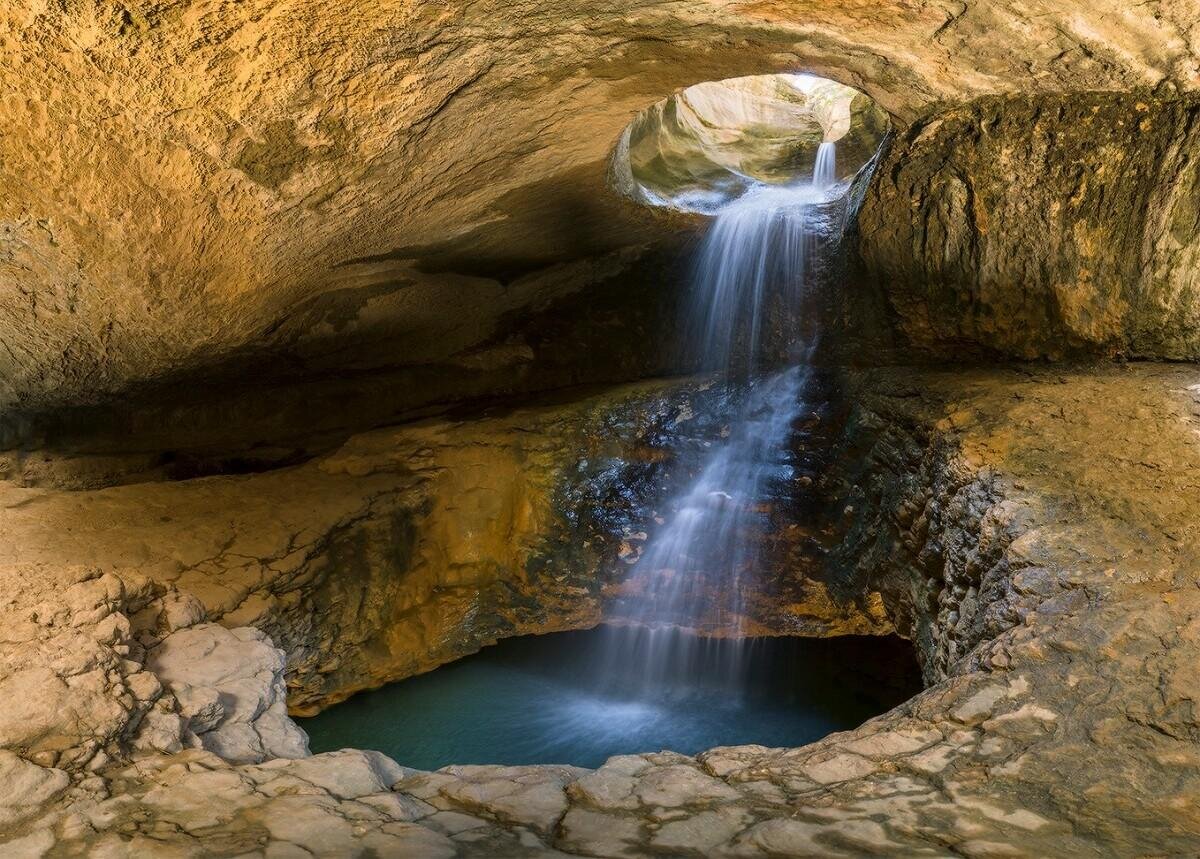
x=1051, y=594
x=409, y=547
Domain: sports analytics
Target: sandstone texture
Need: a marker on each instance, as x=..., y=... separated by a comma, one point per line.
x=1039, y=548
x=1042, y=227
x=193, y=190
x=408, y=547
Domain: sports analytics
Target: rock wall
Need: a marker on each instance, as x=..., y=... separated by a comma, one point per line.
x=930, y=528
x=1040, y=226
x=192, y=190
x=705, y=145
x=409, y=547
x=98, y=666
x=1060, y=719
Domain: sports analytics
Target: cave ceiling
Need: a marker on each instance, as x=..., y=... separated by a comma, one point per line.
x=186, y=183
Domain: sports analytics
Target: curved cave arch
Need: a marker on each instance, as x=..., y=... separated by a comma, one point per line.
x=709, y=143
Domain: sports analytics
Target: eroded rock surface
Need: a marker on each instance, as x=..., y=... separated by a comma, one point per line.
x=711, y=141
x=231, y=693
x=408, y=547
x=296, y=187
x=1040, y=548
x=1042, y=227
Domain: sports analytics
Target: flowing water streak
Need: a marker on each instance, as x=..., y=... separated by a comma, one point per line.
x=756, y=248
x=695, y=566
x=825, y=168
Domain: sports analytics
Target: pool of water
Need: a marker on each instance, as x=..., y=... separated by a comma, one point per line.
x=561, y=699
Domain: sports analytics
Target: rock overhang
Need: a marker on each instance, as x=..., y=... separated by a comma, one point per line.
x=207, y=212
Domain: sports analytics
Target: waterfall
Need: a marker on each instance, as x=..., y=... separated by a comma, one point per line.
x=825, y=168
x=695, y=566
x=757, y=245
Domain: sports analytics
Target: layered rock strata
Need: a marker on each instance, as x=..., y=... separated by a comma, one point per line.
x=409, y=547
x=1038, y=226
x=1032, y=530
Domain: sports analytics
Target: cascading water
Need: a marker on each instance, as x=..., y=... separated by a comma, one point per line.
x=825, y=169
x=684, y=659
x=697, y=563
x=647, y=680
x=695, y=567
x=756, y=249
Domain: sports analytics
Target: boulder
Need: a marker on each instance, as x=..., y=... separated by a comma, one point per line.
x=231, y=691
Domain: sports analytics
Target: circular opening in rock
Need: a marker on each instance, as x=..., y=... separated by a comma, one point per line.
x=714, y=142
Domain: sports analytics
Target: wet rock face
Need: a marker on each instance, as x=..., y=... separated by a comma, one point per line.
x=928, y=528
x=405, y=548
x=1042, y=226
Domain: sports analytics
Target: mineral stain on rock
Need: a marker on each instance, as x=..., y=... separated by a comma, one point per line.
x=277, y=153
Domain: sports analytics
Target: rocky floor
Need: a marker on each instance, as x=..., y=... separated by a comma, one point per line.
x=1032, y=529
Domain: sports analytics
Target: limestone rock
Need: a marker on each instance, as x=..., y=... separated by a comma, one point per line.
x=711, y=140
x=527, y=796
x=24, y=787
x=348, y=774
x=230, y=688
x=1042, y=227
x=1043, y=564
x=66, y=676
x=387, y=216
x=410, y=546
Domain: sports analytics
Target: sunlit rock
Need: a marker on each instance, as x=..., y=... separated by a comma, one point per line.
x=339, y=341
x=713, y=140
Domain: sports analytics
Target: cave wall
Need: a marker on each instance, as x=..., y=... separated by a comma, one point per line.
x=253, y=191
x=1046, y=515
x=408, y=547
x=1040, y=227
x=709, y=143
x=596, y=321
x=930, y=528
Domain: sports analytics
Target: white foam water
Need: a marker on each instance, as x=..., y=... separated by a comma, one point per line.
x=825, y=168
x=757, y=245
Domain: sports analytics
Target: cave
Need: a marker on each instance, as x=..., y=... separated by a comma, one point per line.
x=733, y=430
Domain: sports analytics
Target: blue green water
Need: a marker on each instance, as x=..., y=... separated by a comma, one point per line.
x=560, y=699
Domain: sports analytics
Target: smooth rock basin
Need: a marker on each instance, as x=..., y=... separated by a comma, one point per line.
x=560, y=699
